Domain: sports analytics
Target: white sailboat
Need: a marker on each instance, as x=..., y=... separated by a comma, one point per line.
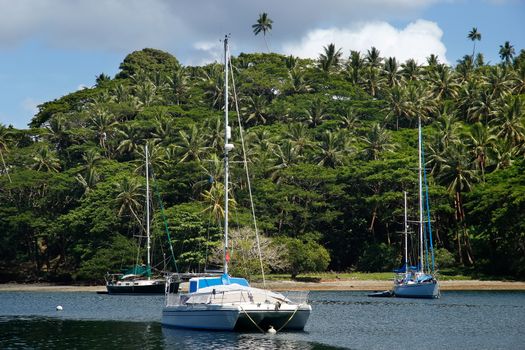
x=229, y=303
x=416, y=281
x=138, y=279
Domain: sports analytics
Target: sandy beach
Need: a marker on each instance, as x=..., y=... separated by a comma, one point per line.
x=341, y=285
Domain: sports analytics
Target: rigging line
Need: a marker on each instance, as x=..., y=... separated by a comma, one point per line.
x=247, y=175
x=155, y=185
x=427, y=204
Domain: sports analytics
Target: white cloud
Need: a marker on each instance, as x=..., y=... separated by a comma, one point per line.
x=30, y=105
x=417, y=40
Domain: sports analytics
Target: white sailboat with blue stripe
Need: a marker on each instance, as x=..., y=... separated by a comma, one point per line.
x=419, y=281
x=230, y=303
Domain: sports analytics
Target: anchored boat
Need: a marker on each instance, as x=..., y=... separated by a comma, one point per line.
x=230, y=303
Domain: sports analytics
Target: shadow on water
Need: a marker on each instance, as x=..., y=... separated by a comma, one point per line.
x=29, y=332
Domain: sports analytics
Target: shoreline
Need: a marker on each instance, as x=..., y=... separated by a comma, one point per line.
x=328, y=285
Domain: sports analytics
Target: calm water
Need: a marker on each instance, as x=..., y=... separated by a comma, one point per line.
x=466, y=320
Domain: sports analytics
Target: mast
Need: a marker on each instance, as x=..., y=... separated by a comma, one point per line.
x=420, y=171
x=148, y=267
x=406, y=234
x=227, y=148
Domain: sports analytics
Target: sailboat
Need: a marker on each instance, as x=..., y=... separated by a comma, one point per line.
x=229, y=303
x=139, y=279
x=418, y=281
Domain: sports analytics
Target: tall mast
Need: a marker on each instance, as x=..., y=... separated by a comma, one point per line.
x=227, y=148
x=420, y=171
x=406, y=234
x=147, y=212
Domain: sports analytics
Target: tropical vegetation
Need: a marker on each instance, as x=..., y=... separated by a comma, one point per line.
x=331, y=145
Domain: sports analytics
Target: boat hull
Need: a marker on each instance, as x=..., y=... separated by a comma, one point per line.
x=427, y=290
x=141, y=287
x=201, y=317
x=235, y=317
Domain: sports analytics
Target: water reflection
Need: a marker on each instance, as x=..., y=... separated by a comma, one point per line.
x=192, y=339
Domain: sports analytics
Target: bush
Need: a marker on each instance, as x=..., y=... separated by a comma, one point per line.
x=444, y=258
x=377, y=258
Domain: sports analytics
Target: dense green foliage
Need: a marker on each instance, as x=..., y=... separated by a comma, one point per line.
x=331, y=144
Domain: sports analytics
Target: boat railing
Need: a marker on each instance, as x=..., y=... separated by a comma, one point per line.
x=297, y=297
x=235, y=296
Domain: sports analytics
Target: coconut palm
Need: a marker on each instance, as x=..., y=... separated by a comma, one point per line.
x=264, y=24
x=355, y=66
x=391, y=72
x=397, y=104
x=377, y=141
x=255, y=109
x=482, y=142
x=214, y=198
x=498, y=82
x=506, y=52
x=330, y=59
x=509, y=120
x=474, y=35
x=455, y=171
x=297, y=82
x=410, y=70
x=443, y=83
x=285, y=155
x=316, y=113
x=129, y=198
x=131, y=138
x=192, y=145
x=372, y=58
x=91, y=159
x=298, y=135
x=332, y=149
x=178, y=84
x=349, y=120
x=45, y=160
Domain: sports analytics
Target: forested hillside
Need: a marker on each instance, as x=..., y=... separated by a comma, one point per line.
x=331, y=145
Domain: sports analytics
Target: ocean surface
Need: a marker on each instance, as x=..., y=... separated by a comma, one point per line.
x=351, y=320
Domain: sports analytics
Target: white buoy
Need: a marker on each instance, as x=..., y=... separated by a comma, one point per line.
x=59, y=308
x=271, y=330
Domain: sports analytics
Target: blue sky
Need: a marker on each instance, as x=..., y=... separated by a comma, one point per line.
x=49, y=48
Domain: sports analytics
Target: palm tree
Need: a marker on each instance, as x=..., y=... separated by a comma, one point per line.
x=129, y=198
x=264, y=24
x=330, y=58
x=506, y=52
x=372, y=58
x=298, y=135
x=192, y=145
x=444, y=83
x=391, y=72
x=132, y=137
x=214, y=197
x=255, y=109
x=298, y=84
x=315, y=114
x=355, y=66
x=482, y=142
x=333, y=149
x=509, y=119
x=285, y=155
x=45, y=159
x=410, y=70
x=474, y=35
x=397, y=104
x=377, y=141
x=91, y=178
x=456, y=172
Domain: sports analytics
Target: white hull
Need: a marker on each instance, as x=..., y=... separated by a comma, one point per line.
x=417, y=290
x=236, y=317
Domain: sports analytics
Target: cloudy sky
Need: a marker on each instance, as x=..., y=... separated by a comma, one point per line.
x=49, y=48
